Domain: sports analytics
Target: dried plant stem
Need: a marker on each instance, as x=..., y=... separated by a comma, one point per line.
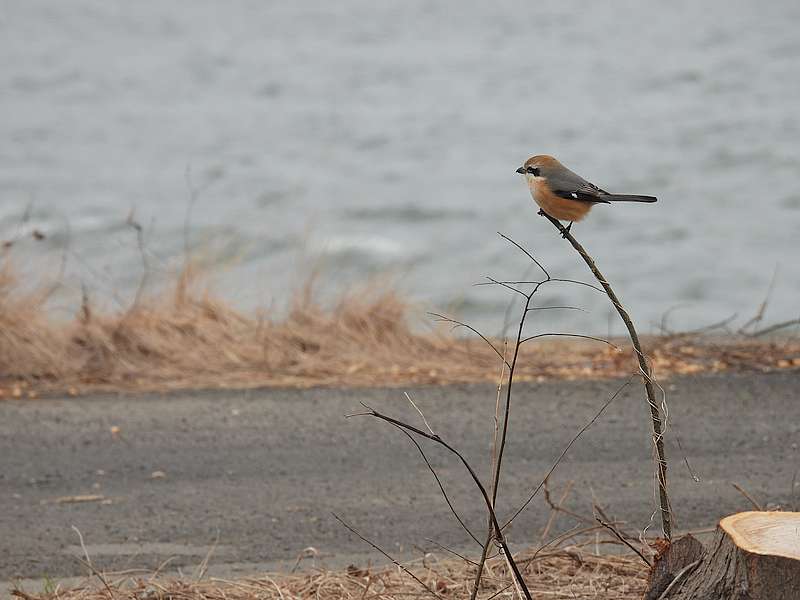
x=485, y=551
x=655, y=413
x=494, y=529
x=498, y=533
x=391, y=558
x=499, y=448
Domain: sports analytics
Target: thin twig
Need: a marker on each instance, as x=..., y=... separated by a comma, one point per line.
x=560, y=539
x=500, y=591
x=137, y=227
x=572, y=335
x=528, y=254
x=507, y=286
x=424, y=420
x=394, y=561
x=566, y=449
x=762, y=309
x=88, y=562
x=774, y=328
x=498, y=458
x=722, y=324
x=457, y=323
x=451, y=551
x=554, y=512
x=490, y=530
x=553, y=280
x=555, y=507
x=693, y=475
x=678, y=576
x=744, y=493
x=203, y=568
x=441, y=486
x=489, y=505
x=622, y=539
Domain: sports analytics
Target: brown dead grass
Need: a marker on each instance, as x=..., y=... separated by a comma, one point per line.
x=571, y=572
x=187, y=338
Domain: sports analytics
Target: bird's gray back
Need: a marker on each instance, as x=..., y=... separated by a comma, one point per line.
x=561, y=179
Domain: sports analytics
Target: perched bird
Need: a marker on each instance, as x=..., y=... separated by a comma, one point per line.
x=565, y=195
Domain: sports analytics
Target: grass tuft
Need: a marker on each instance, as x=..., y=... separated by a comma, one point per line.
x=186, y=338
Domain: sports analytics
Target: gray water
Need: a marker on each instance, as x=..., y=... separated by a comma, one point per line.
x=380, y=139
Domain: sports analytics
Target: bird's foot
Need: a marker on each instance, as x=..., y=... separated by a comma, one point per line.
x=566, y=230
x=541, y=212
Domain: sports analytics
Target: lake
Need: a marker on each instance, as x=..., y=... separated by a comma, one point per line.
x=378, y=142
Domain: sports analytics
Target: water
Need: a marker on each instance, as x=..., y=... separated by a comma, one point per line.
x=381, y=139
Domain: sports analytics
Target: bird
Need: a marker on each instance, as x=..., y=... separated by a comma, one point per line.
x=565, y=195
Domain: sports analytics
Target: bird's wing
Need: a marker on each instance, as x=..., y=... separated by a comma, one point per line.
x=567, y=184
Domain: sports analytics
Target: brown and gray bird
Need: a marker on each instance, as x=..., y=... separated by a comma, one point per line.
x=565, y=195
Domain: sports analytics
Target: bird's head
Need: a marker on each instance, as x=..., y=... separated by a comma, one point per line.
x=537, y=166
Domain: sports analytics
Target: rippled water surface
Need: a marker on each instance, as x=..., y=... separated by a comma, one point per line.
x=381, y=138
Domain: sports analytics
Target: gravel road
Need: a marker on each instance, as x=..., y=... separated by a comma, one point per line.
x=255, y=475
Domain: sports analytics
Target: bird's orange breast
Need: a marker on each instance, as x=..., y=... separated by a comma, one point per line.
x=555, y=206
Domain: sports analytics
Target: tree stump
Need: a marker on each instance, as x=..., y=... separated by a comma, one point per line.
x=754, y=556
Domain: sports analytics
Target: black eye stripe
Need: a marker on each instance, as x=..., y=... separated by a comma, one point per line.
x=533, y=170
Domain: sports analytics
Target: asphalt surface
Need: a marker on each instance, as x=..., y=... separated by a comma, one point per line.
x=256, y=475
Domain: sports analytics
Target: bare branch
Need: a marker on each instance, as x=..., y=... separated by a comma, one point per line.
x=774, y=328
x=532, y=308
x=489, y=504
x=576, y=282
x=756, y=504
x=498, y=457
x=622, y=539
x=139, y=229
x=704, y=329
x=540, y=283
x=441, y=486
x=554, y=512
x=692, y=474
x=567, y=449
x=646, y=371
x=421, y=414
x=757, y=318
x=500, y=591
x=88, y=562
x=507, y=286
x=394, y=561
x=451, y=551
x=572, y=335
x=445, y=319
x=665, y=315
x=528, y=254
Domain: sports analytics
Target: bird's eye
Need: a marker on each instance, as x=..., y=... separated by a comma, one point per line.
x=533, y=171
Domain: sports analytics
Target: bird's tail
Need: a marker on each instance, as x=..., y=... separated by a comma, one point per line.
x=628, y=198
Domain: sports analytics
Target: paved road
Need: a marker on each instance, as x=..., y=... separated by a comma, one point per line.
x=258, y=473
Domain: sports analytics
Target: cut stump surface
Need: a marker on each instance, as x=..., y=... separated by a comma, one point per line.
x=754, y=556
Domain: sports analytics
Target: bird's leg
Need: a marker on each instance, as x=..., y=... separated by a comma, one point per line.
x=564, y=230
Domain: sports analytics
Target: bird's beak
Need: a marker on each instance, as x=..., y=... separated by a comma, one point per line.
x=521, y=170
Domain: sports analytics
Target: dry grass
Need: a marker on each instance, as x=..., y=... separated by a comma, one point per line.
x=185, y=338
x=571, y=572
